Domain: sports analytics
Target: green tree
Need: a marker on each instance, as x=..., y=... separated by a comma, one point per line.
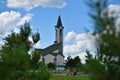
x=15, y=61
x=69, y=62
x=105, y=65
x=73, y=63
x=77, y=62
x=35, y=57
x=51, y=66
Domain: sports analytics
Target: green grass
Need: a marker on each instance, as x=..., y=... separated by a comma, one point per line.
x=69, y=78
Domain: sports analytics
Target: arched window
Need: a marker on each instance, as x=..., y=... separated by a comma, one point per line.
x=55, y=61
x=60, y=35
x=43, y=59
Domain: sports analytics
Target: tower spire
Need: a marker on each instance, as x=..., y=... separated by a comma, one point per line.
x=59, y=34
x=59, y=22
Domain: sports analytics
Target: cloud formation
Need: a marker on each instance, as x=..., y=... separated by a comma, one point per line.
x=1, y=43
x=9, y=21
x=30, y=4
x=70, y=36
x=76, y=44
x=114, y=11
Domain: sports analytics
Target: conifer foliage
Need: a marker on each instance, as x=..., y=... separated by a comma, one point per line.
x=72, y=63
x=15, y=61
x=105, y=65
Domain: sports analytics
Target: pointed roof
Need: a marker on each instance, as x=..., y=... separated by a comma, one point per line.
x=59, y=22
x=50, y=49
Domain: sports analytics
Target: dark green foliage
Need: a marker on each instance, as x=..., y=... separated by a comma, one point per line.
x=72, y=63
x=69, y=62
x=35, y=59
x=51, y=65
x=25, y=31
x=36, y=37
x=105, y=65
x=77, y=61
x=95, y=67
x=16, y=63
x=40, y=74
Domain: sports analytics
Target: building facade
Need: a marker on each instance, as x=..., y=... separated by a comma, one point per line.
x=54, y=52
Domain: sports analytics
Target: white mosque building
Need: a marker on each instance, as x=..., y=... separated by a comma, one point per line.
x=54, y=52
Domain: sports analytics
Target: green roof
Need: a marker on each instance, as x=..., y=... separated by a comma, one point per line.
x=59, y=22
x=50, y=49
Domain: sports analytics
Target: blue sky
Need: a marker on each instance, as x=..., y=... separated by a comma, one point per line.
x=43, y=14
x=74, y=18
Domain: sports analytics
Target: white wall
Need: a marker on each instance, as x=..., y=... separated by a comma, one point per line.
x=56, y=51
x=60, y=60
x=49, y=58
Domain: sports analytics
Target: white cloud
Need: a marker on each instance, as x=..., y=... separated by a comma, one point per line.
x=82, y=56
x=0, y=46
x=16, y=30
x=30, y=4
x=80, y=43
x=114, y=11
x=70, y=36
x=9, y=21
x=27, y=18
x=37, y=45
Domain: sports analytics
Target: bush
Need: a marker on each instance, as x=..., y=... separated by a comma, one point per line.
x=51, y=66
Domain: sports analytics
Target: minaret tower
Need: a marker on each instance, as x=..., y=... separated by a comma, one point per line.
x=59, y=34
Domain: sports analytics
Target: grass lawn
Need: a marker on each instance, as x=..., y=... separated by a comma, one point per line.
x=69, y=78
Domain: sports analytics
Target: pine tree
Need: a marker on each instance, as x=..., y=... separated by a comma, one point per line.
x=106, y=63
x=15, y=61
